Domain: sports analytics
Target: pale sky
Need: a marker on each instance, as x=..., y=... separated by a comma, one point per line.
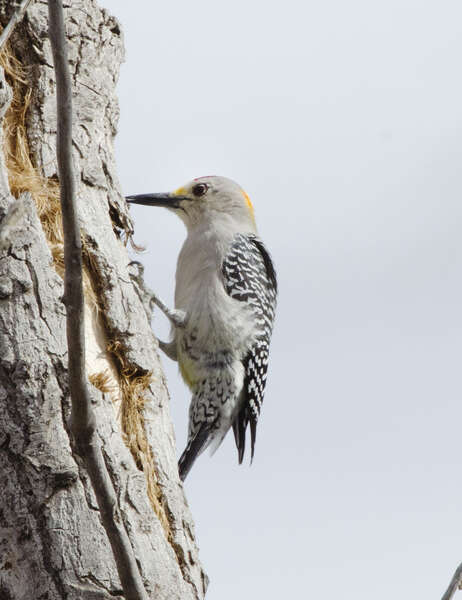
x=343, y=121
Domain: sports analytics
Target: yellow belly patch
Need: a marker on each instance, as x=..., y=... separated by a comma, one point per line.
x=188, y=372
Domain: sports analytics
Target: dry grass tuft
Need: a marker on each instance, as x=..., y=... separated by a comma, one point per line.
x=22, y=174
x=133, y=385
x=104, y=382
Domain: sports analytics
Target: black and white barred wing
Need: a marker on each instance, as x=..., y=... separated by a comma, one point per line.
x=249, y=276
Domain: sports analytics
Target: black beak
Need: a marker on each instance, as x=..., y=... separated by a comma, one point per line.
x=167, y=200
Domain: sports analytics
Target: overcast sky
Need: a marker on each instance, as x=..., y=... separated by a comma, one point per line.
x=343, y=121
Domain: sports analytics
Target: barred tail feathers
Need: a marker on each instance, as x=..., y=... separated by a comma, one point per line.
x=215, y=405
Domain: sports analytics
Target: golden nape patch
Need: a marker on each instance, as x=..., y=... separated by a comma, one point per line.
x=249, y=204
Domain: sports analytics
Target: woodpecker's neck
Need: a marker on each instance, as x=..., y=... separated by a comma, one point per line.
x=221, y=224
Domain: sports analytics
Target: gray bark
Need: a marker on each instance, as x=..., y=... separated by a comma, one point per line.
x=52, y=543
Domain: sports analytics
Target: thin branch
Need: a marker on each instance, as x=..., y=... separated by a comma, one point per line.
x=455, y=584
x=83, y=420
x=16, y=17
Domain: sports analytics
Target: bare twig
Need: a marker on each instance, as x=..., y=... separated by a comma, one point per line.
x=456, y=582
x=16, y=17
x=83, y=420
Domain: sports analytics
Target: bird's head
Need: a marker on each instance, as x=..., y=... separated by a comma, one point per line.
x=204, y=200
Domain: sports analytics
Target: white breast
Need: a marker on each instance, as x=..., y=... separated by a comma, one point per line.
x=215, y=320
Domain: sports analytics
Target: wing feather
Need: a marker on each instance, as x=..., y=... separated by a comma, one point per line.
x=249, y=276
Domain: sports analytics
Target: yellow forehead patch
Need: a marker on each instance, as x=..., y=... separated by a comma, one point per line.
x=249, y=204
x=181, y=191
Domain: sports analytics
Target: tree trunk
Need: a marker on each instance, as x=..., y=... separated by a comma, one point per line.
x=52, y=543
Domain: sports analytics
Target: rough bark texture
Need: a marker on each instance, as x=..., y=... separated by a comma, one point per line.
x=52, y=543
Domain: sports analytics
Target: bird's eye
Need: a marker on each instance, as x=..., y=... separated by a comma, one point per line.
x=200, y=189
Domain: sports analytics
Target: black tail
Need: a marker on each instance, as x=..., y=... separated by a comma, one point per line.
x=195, y=446
x=239, y=427
x=244, y=417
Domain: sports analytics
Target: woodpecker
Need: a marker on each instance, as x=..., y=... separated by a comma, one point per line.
x=225, y=300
